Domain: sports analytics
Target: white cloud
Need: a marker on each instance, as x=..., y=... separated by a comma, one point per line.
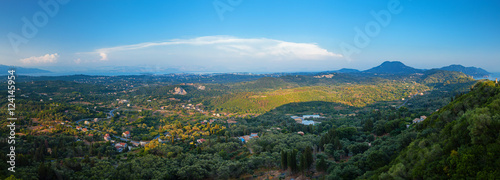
x=47, y=58
x=104, y=56
x=78, y=61
x=232, y=47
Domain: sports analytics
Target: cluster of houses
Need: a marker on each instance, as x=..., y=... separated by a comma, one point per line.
x=302, y=120
x=325, y=76
x=197, y=107
x=121, y=146
x=210, y=121
x=246, y=138
x=417, y=120
x=122, y=100
x=88, y=122
x=81, y=129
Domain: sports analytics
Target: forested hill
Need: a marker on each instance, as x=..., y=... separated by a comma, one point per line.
x=460, y=141
x=434, y=77
x=472, y=71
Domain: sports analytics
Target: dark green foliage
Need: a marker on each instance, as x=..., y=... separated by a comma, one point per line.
x=292, y=161
x=321, y=165
x=461, y=141
x=284, y=158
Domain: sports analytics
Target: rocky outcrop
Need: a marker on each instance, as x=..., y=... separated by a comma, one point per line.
x=179, y=91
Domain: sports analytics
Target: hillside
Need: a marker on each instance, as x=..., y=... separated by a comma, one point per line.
x=471, y=71
x=393, y=67
x=435, y=76
x=349, y=94
x=460, y=141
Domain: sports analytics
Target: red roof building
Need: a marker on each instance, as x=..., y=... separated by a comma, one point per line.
x=107, y=137
x=126, y=134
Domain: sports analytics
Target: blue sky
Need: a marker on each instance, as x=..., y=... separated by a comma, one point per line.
x=249, y=35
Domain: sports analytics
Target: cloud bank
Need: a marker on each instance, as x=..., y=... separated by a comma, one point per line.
x=231, y=46
x=47, y=58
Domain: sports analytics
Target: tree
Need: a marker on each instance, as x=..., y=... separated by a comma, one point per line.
x=368, y=125
x=292, y=161
x=321, y=165
x=308, y=157
x=377, y=159
x=303, y=163
x=284, y=164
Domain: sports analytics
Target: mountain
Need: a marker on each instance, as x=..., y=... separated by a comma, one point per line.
x=21, y=70
x=347, y=70
x=393, y=67
x=471, y=71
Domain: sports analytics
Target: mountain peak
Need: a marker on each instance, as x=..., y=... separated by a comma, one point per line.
x=393, y=67
x=398, y=63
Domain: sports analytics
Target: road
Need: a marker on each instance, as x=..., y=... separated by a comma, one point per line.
x=407, y=100
x=110, y=115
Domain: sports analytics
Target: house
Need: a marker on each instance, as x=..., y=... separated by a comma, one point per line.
x=253, y=135
x=247, y=138
x=310, y=116
x=231, y=121
x=86, y=122
x=161, y=140
x=200, y=141
x=96, y=119
x=307, y=122
x=78, y=128
x=120, y=146
x=417, y=120
x=242, y=139
x=135, y=143
x=107, y=137
x=126, y=134
x=143, y=143
x=301, y=133
x=84, y=129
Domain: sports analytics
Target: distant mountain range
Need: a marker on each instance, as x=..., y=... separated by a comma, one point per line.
x=387, y=67
x=346, y=70
x=397, y=67
x=21, y=70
